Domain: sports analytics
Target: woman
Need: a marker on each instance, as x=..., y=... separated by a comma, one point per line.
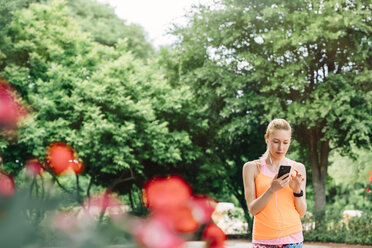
x=276, y=203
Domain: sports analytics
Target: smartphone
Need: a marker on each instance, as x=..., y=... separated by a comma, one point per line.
x=284, y=169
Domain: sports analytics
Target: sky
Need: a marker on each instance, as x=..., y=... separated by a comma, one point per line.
x=155, y=16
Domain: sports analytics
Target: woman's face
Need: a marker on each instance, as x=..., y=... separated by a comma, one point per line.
x=278, y=143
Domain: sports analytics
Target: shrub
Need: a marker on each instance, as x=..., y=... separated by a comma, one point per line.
x=333, y=228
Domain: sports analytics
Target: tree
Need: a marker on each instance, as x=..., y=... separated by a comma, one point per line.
x=229, y=139
x=109, y=106
x=306, y=61
x=95, y=18
x=7, y=7
x=106, y=28
x=205, y=174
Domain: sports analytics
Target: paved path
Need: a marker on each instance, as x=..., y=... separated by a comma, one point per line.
x=247, y=244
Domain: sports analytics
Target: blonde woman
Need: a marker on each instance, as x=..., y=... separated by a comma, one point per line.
x=276, y=203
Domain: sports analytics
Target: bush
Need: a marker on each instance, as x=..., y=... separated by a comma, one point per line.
x=333, y=228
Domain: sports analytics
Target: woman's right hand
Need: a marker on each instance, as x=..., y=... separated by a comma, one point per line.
x=279, y=183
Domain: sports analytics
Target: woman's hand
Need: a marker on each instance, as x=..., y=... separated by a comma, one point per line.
x=279, y=183
x=296, y=181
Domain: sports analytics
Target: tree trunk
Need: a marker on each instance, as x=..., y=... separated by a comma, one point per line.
x=239, y=195
x=131, y=198
x=247, y=216
x=78, y=196
x=89, y=186
x=319, y=151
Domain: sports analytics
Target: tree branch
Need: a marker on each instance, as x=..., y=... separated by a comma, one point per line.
x=59, y=184
x=121, y=180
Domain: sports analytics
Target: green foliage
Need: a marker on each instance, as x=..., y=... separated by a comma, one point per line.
x=335, y=228
x=106, y=28
x=199, y=109
x=349, y=181
x=14, y=220
x=249, y=62
x=17, y=217
x=119, y=114
x=302, y=73
x=7, y=7
x=347, y=171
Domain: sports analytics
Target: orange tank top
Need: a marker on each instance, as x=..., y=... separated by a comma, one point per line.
x=279, y=218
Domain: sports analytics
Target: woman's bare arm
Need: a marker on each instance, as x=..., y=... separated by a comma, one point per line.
x=300, y=202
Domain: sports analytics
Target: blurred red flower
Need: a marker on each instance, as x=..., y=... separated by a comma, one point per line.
x=62, y=158
x=214, y=236
x=155, y=232
x=34, y=167
x=11, y=111
x=202, y=209
x=76, y=166
x=181, y=219
x=167, y=193
x=170, y=198
x=173, y=205
x=370, y=176
x=7, y=187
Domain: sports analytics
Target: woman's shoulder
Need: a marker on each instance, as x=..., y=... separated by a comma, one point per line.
x=252, y=165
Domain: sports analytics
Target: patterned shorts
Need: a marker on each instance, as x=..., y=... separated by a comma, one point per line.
x=297, y=245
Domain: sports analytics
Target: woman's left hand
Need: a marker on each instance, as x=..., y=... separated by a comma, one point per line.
x=296, y=181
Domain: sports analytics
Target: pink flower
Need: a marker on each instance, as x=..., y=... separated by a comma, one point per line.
x=11, y=111
x=155, y=232
x=202, y=209
x=370, y=176
x=65, y=221
x=7, y=187
x=100, y=203
x=34, y=167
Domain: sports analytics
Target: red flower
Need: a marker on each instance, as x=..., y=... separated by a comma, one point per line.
x=11, y=111
x=7, y=187
x=181, y=219
x=202, y=209
x=76, y=166
x=214, y=236
x=370, y=176
x=170, y=198
x=61, y=158
x=156, y=232
x=166, y=193
x=34, y=167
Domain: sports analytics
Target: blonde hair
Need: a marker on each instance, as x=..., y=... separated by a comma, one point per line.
x=276, y=124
